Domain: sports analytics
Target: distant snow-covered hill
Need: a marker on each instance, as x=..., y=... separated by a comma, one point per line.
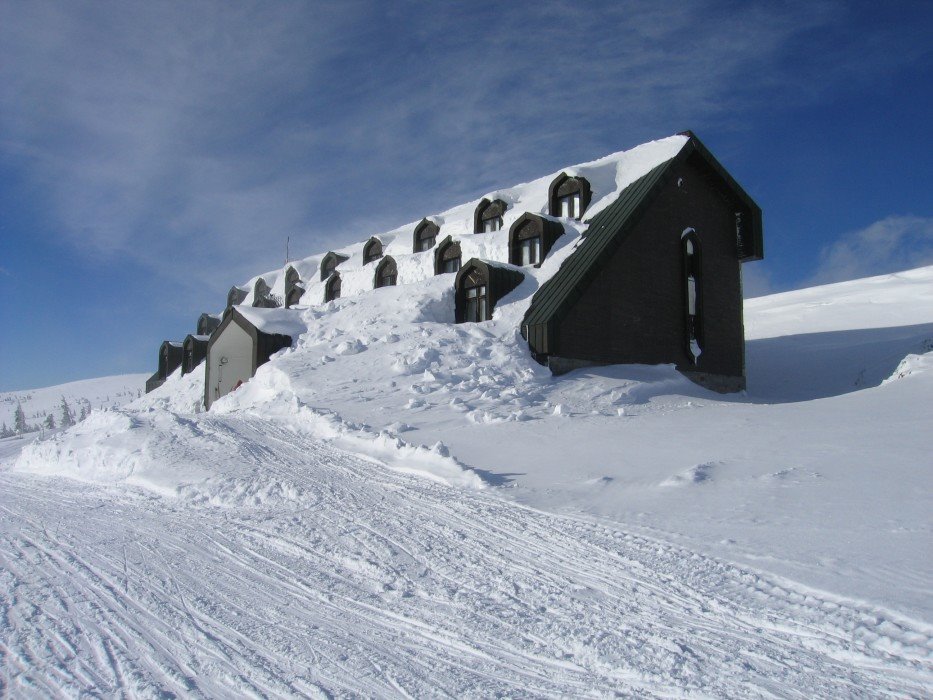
x=402, y=505
x=102, y=392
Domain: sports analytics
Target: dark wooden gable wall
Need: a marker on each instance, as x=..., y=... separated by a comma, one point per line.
x=632, y=310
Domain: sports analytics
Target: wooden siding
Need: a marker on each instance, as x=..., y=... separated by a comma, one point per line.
x=632, y=311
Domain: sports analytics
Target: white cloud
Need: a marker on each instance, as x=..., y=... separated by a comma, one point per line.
x=890, y=245
x=194, y=137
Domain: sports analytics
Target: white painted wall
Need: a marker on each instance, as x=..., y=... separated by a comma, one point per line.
x=231, y=360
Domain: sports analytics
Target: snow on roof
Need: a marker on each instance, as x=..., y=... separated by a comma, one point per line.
x=274, y=321
x=608, y=177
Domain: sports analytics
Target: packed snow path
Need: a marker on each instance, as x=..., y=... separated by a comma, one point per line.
x=342, y=577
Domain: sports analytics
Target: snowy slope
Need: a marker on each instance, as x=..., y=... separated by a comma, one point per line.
x=611, y=530
x=103, y=392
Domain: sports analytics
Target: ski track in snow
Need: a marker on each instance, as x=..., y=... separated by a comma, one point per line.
x=347, y=578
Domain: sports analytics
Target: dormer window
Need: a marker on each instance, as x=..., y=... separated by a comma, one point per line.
x=489, y=216
x=478, y=286
x=372, y=250
x=263, y=297
x=332, y=288
x=236, y=295
x=531, y=238
x=386, y=274
x=447, y=258
x=294, y=289
x=329, y=263
x=425, y=235
x=569, y=196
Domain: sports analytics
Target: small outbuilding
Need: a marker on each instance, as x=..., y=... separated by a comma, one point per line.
x=194, y=350
x=479, y=285
x=246, y=338
x=657, y=278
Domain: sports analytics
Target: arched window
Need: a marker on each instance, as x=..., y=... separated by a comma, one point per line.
x=528, y=245
x=263, y=297
x=569, y=196
x=475, y=297
x=372, y=250
x=236, y=295
x=207, y=323
x=488, y=216
x=294, y=296
x=425, y=235
x=332, y=288
x=386, y=274
x=479, y=285
x=294, y=289
x=329, y=263
x=693, y=294
x=531, y=238
x=447, y=257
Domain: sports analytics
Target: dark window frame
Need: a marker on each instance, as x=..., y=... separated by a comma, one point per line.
x=380, y=278
x=692, y=269
x=368, y=251
x=332, y=288
x=563, y=188
x=448, y=257
x=492, y=212
x=420, y=240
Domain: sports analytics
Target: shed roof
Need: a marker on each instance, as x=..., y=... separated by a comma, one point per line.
x=276, y=321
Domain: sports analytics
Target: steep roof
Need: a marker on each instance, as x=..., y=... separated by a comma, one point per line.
x=607, y=230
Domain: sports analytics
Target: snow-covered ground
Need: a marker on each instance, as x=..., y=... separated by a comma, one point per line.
x=404, y=506
x=95, y=394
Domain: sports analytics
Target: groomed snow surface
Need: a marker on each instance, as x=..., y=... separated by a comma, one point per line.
x=400, y=506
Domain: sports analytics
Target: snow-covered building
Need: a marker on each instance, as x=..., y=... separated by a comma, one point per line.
x=657, y=277
x=245, y=339
x=634, y=258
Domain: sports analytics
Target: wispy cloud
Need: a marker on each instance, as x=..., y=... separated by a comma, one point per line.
x=890, y=245
x=195, y=136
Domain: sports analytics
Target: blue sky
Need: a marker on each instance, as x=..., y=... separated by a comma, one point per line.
x=154, y=154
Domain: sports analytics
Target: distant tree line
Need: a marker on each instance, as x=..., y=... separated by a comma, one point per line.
x=67, y=417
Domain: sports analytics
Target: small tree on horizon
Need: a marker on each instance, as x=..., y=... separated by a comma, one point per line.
x=50, y=422
x=19, y=420
x=68, y=418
